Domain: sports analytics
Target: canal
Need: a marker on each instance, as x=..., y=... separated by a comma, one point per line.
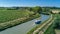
x=25, y=27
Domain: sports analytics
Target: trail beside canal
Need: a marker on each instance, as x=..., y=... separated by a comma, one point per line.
x=42, y=28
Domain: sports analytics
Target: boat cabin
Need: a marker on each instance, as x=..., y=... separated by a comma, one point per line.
x=37, y=22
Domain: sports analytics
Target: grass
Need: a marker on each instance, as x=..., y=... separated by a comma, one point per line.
x=10, y=18
x=9, y=15
x=50, y=30
x=57, y=24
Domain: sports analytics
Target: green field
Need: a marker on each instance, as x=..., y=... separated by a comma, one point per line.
x=9, y=15
x=10, y=18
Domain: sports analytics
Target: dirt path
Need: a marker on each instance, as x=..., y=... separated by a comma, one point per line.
x=57, y=31
x=45, y=28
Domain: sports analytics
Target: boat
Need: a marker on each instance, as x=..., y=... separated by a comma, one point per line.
x=37, y=21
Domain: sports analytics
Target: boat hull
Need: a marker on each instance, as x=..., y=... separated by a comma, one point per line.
x=38, y=22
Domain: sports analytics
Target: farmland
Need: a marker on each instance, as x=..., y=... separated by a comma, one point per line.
x=8, y=15
x=9, y=18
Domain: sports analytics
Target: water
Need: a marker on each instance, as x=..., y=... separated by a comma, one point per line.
x=23, y=28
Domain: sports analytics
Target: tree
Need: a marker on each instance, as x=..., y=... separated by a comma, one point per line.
x=37, y=9
x=57, y=23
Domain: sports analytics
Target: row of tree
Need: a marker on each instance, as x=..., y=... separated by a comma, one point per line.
x=38, y=9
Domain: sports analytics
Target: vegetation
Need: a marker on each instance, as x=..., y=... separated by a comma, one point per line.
x=9, y=24
x=57, y=21
x=10, y=17
x=55, y=25
x=50, y=30
x=37, y=9
x=32, y=30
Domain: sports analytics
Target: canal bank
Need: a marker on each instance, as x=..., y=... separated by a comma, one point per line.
x=37, y=27
x=25, y=27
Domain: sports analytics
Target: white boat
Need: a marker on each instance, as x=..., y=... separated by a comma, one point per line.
x=37, y=21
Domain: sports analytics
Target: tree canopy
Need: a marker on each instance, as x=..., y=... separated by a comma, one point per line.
x=37, y=9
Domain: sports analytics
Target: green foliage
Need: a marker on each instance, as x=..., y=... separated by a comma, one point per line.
x=37, y=9
x=57, y=21
x=9, y=15
x=50, y=30
x=56, y=24
x=46, y=11
x=8, y=18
